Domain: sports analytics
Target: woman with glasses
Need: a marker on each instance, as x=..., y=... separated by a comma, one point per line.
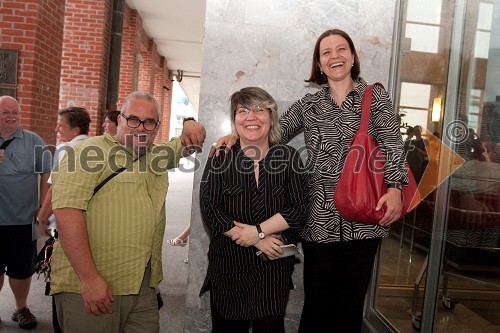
x=252, y=203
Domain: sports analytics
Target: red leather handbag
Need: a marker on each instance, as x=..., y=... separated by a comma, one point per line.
x=361, y=183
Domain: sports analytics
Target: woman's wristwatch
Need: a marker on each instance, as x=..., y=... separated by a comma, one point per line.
x=260, y=232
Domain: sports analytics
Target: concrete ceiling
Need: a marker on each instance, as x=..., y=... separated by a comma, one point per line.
x=177, y=28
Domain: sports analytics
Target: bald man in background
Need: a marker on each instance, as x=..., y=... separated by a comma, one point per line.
x=25, y=164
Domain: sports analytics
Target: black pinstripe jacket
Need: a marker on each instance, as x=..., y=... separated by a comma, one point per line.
x=242, y=286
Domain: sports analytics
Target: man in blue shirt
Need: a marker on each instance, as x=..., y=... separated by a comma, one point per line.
x=24, y=170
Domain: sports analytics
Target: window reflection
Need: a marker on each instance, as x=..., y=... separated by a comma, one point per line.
x=471, y=262
x=424, y=11
x=424, y=38
x=423, y=20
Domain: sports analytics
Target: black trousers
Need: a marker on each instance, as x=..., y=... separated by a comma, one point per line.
x=270, y=324
x=336, y=278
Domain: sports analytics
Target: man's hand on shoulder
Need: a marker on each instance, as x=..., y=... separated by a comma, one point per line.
x=192, y=136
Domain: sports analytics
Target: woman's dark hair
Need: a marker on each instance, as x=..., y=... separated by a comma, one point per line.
x=113, y=116
x=76, y=117
x=316, y=76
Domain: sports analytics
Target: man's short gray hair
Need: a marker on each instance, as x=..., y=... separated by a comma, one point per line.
x=142, y=95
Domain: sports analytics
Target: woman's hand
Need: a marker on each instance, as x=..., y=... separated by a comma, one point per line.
x=270, y=245
x=247, y=236
x=392, y=202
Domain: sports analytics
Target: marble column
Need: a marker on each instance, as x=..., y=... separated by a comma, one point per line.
x=269, y=44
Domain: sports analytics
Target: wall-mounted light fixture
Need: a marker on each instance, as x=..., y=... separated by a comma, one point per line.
x=179, y=75
x=436, y=110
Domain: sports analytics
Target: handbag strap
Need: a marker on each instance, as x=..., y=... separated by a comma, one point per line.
x=6, y=143
x=111, y=176
x=366, y=103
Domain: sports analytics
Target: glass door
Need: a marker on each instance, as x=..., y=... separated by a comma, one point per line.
x=439, y=270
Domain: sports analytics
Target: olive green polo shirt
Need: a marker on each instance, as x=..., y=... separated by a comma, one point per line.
x=125, y=219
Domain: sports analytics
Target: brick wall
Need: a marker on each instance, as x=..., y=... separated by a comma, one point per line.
x=85, y=57
x=35, y=28
x=64, y=55
x=164, y=96
x=145, y=70
x=129, y=67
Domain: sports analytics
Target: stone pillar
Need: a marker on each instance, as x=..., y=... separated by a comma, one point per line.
x=270, y=44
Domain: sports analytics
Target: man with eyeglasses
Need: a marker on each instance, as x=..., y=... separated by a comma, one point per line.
x=24, y=170
x=107, y=261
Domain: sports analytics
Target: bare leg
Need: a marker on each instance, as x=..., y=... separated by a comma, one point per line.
x=20, y=289
x=185, y=234
x=182, y=239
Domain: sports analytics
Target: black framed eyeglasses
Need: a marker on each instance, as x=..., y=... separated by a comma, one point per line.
x=134, y=122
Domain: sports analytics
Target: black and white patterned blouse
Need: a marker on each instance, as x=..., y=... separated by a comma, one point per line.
x=242, y=286
x=328, y=130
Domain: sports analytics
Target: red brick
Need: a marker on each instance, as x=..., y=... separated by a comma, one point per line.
x=13, y=5
x=13, y=18
x=57, y=70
